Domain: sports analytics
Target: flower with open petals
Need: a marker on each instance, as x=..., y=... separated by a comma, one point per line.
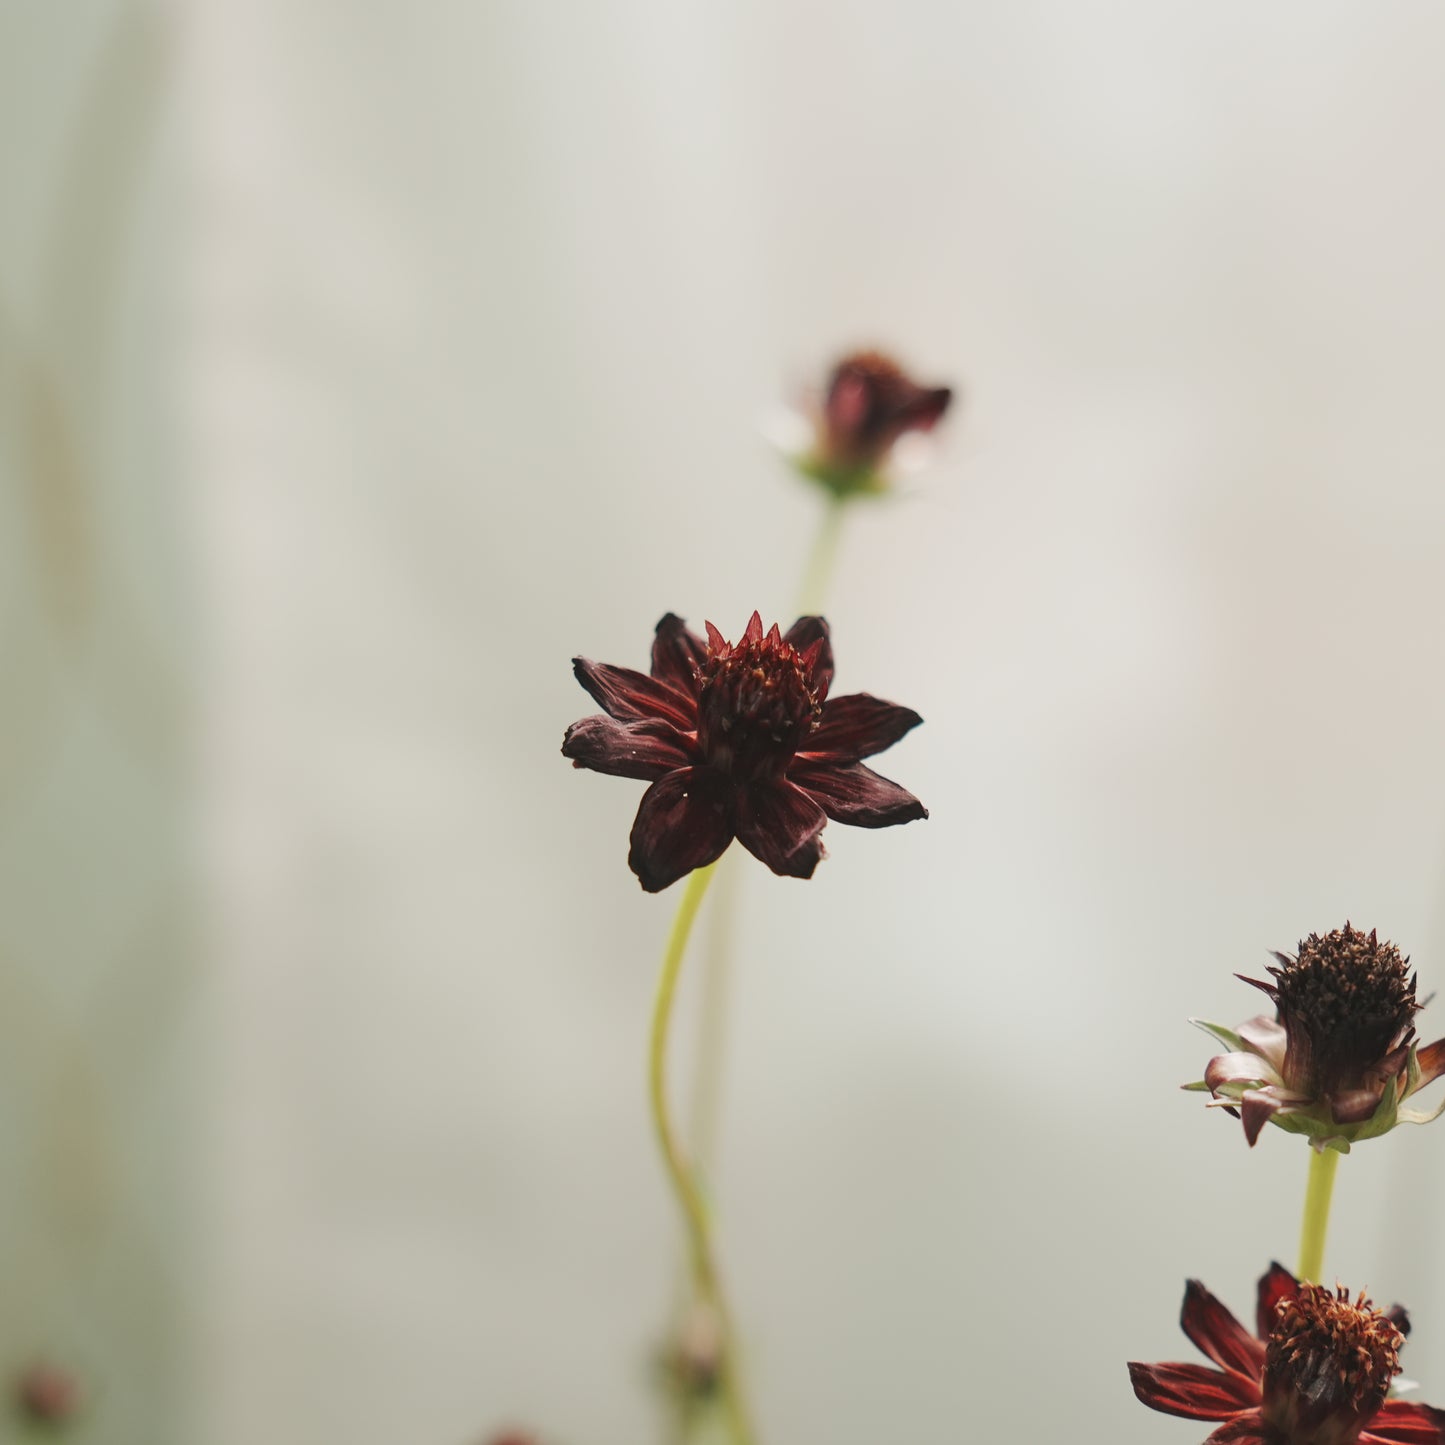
x=1340, y=1056
x=1317, y=1372
x=847, y=442
x=739, y=740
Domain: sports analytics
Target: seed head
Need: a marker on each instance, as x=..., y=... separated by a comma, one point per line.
x=1328, y=1365
x=1346, y=1001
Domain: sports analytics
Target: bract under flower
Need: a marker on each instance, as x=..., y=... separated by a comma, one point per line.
x=1340, y=1057
x=739, y=740
x=1316, y=1371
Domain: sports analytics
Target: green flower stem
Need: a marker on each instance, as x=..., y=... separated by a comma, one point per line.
x=706, y=1280
x=1323, y=1163
x=715, y=1010
x=823, y=558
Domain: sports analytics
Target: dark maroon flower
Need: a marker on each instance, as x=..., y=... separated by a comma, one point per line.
x=739, y=740
x=868, y=406
x=1340, y=1056
x=1317, y=1372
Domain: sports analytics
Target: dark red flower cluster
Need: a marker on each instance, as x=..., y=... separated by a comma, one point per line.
x=739, y=740
x=1316, y=1372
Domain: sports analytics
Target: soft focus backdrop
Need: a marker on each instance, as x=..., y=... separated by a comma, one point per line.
x=361, y=364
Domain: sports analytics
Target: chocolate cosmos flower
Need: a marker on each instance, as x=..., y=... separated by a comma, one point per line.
x=1318, y=1373
x=739, y=740
x=868, y=406
x=1339, y=1057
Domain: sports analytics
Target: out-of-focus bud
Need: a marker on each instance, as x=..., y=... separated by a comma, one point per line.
x=850, y=438
x=690, y=1363
x=46, y=1396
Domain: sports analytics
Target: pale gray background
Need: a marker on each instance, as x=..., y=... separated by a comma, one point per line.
x=404, y=351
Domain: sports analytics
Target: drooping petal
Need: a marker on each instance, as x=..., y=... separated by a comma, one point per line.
x=629, y=696
x=859, y=725
x=626, y=750
x=1275, y=1284
x=1238, y=1069
x=1266, y=1036
x=1431, y=1060
x=779, y=824
x=1256, y=1109
x=807, y=632
x=1354, y=1106
x=854, y=793
x=1196, y=1392
x=1218, y=1334
x=677, y=654
x=681, y=824
x=1400, y=1422
x=1246, y=1429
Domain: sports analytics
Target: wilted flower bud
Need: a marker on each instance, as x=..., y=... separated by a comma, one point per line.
x=868, y=406
x=46, y=1396
x=1339, y=1057
x=690, y=1363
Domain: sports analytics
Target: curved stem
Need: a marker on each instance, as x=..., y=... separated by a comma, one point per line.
x=823, y=558
x=715, y=1007
x=1316, y=1221
x=706, y=1279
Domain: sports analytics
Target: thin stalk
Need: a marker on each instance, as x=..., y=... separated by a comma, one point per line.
x=705, y=1276
x=823, y=558
x=1316, y=1221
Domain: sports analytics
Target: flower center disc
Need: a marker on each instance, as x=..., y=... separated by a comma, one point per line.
x=756, y=704
x=1352, y=996
x=1328, y=1366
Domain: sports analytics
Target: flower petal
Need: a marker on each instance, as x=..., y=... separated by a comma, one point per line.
x=626, y=750
x=1266, y=1036
x=1218, y=1334
x=629, y=696
x=677, y=654
x=1196, y=1392
x=809, y=632
x=1239, y=1068
x=780, y=824
x=1354, y=1106
x=1400, y=1422
x=854, y=793
x=682, y=824
x=1431, y=1060
x=1245, y=1429
x=1275, y=1284
x=859, y=725
x=1256, y=1109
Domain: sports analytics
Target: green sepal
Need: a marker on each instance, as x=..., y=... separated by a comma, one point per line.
x=1422, y=1116
x=1227, y=1037
x=845, y=482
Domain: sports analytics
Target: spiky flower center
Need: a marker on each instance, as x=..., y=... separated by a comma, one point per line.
x=757, y=701
x=1328, y=1366
x=1346, y=1001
